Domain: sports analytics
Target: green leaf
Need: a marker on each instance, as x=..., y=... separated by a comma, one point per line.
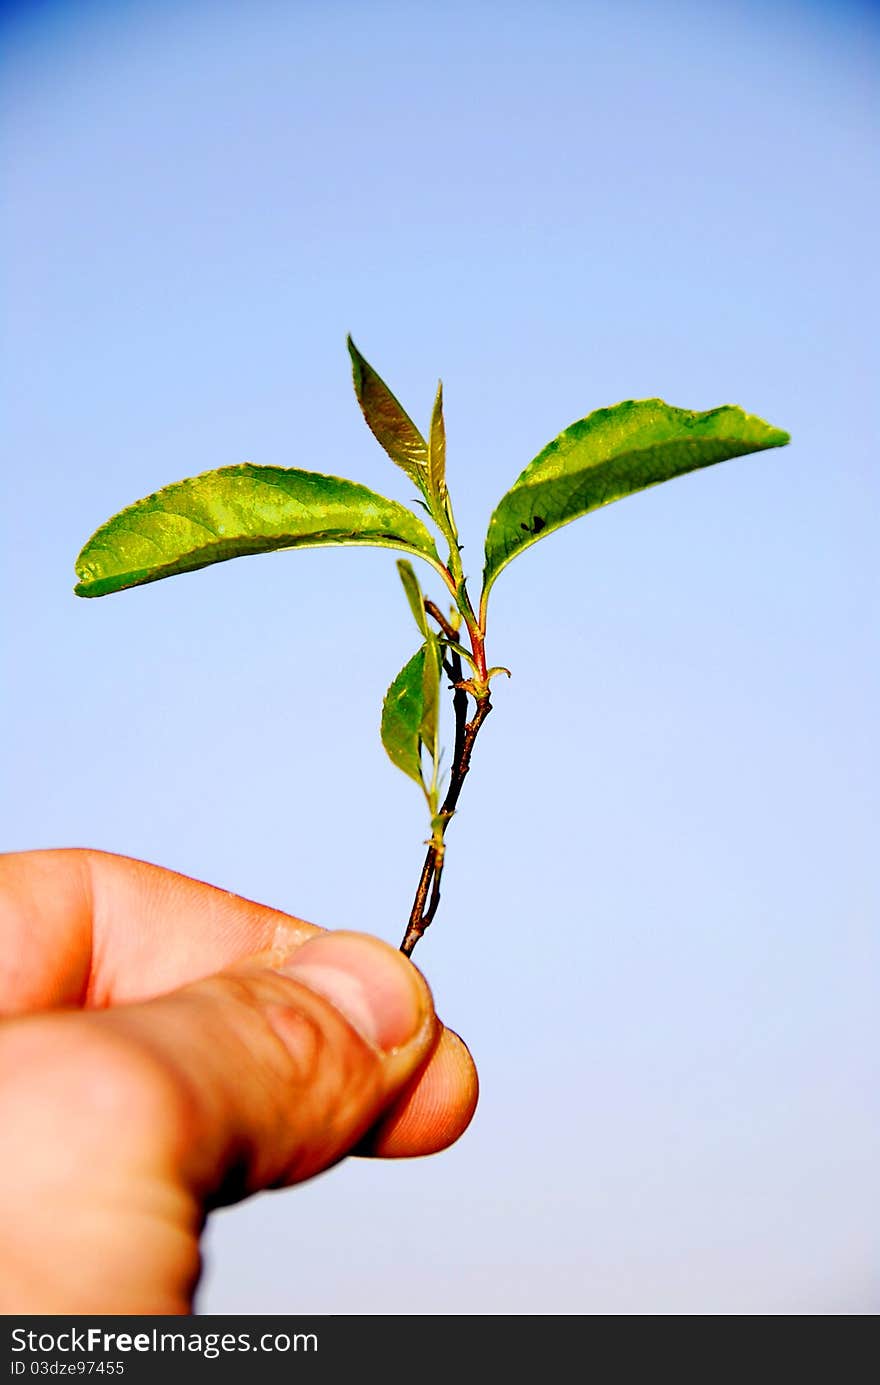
x=413, y=594
x=388, y=421
x=239, y=510
x=612, y=453
x=429, y=729
x=403, y=714
x=411, y=711
x=437, y=451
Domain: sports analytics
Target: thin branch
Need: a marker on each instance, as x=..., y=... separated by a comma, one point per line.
x=431, y=910
x=466, y=733
x=436, y=614
x=459, y=706
x=453, y=666
x=416, y=926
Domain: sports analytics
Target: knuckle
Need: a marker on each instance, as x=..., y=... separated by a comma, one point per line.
x=303, y=1041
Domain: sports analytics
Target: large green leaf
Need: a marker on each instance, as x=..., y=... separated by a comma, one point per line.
x=388, y=421
x=239, y=510
x=402, y=715
x=612, y=453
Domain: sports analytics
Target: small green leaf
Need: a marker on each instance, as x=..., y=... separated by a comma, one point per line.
x=413, y=594
x=610, y=454
x=403, y=713
x=437, y=451
x=430, y=725
x=388, y=421
x=410, y=712
x=240, y=510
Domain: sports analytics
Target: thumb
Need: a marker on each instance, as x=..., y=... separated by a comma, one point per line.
x=278, y=1072
x=256, y=1077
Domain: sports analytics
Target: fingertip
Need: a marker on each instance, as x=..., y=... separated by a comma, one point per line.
x=435, y=1110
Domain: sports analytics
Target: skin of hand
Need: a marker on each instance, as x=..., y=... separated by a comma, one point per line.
x=167, y=1048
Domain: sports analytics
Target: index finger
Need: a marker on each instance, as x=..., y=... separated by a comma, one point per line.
x=90, y=928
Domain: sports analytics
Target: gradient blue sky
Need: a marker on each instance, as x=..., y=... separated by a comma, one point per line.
x=657, y=927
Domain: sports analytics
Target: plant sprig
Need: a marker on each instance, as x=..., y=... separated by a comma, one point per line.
x=240, y=510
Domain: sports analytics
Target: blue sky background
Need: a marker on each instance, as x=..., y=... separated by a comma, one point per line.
x=657, y=925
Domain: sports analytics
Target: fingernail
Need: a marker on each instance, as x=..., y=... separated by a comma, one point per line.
x=376, y=989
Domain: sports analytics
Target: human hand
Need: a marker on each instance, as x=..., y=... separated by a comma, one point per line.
x=166, y=1048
